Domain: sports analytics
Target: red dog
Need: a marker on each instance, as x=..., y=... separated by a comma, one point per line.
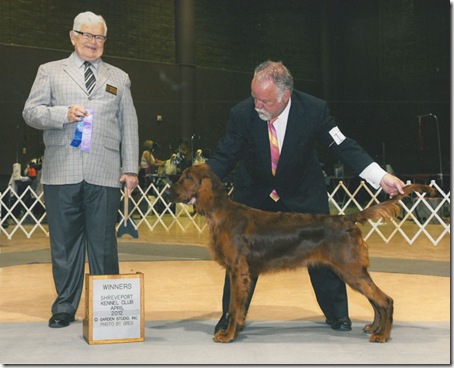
x=248, y=242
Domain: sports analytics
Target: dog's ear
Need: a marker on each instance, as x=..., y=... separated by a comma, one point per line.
x=205, y=196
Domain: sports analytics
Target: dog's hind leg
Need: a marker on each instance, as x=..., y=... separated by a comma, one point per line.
x=240, y=285
x=359, y=279
x=372, y=327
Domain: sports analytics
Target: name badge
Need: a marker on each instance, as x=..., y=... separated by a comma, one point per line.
x=111, y=89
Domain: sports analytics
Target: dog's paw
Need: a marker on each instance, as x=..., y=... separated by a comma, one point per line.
x=370, y=329
x=223, y=336
x=367, y=329
x=378, y=338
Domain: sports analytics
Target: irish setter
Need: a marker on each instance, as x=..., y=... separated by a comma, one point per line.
x=248, y=242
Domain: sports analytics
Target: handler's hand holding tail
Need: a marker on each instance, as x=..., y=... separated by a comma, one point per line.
x=392, y=185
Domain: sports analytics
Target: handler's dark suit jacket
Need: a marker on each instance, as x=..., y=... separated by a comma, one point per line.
x=299, y=179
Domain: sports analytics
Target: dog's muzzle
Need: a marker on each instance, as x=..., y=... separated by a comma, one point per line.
x=171, y=195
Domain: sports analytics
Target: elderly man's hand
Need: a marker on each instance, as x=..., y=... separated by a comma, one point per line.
x=392, y=185
x=131, y=181
x=76, y=113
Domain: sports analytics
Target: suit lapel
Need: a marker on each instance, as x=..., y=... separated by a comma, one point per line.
x=293, y=135
x=75, y=73
x=101, y=80
x=70, y=67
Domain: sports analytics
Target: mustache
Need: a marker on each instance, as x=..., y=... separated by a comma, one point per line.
x=264, y=115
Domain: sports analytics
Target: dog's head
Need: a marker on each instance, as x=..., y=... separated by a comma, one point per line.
x=198, y=186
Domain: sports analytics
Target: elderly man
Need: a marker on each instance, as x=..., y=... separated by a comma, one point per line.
x=85, y=108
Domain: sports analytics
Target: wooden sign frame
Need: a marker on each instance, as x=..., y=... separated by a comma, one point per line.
x=114, y=308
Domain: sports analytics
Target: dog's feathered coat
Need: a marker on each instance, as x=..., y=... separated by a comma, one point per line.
x=248, y=242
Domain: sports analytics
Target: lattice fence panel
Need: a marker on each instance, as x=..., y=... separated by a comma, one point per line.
x=25, y=212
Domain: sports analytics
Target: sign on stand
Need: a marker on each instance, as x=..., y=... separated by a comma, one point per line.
x=114, y=309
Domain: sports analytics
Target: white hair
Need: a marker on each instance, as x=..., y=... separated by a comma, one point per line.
x=89, y=18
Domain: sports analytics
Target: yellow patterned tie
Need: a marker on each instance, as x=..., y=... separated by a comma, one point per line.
x=274, y=148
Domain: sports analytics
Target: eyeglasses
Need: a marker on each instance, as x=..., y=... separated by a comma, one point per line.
x=88, y=36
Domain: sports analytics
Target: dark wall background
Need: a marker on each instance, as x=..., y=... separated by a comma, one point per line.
x=379, y=64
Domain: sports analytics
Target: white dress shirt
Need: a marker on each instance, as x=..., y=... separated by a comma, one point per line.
x=373, y=173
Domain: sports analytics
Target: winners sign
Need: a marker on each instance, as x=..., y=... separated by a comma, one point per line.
x=114, y=308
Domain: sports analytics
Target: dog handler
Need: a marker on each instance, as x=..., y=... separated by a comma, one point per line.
x=278, y=120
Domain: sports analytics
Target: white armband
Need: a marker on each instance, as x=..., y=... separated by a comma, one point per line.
x=337, y=135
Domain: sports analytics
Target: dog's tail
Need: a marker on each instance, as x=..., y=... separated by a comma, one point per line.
x=389, y=209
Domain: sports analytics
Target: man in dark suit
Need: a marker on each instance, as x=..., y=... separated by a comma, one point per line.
x=297, y=183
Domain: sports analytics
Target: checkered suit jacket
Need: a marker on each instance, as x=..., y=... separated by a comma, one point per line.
x=114, y=144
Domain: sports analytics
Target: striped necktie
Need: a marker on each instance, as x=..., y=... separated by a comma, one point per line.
x=90, y=79
x=274, y=148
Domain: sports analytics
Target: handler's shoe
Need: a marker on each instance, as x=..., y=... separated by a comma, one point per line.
x=341, y=324
x=59, y=320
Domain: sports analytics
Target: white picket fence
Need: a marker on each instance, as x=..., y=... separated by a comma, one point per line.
x=25, y=212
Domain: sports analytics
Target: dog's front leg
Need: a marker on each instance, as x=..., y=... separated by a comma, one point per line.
x=240, y=284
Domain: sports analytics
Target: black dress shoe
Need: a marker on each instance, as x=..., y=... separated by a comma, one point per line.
x=341, y=324
x=60, y=320
x=223, y=323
